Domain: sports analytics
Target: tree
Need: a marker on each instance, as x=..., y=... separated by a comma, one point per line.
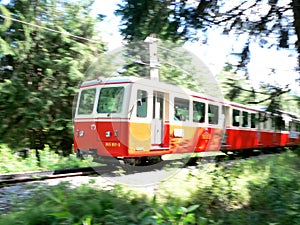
x=271, y=23
x=41, y=70
x=183, y=19
x=238, y=89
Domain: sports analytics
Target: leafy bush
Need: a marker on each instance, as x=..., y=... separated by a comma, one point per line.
x=255, y=191
x=49, y=160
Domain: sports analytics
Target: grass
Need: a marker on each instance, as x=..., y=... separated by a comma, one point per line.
x=256, y=191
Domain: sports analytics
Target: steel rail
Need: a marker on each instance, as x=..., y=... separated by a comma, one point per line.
x=14, y=178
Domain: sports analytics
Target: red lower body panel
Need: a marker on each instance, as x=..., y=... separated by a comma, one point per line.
x=238, y=139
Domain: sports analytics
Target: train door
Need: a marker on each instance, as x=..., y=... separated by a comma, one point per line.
x=259, y=128
x=227, y=122
x=276, y=139
x=157, y=126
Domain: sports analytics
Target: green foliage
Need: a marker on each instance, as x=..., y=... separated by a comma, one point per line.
x=257, y=191
x=188, y=21
x=11, y=162
x=236, y=88
x=171, y=20
x=239, y=89
x=41, y=69
x=184, y=20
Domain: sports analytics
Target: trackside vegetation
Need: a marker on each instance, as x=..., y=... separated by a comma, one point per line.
x=262, y=190
x=12, y=161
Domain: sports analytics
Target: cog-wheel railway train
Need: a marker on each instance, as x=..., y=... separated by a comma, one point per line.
x=136, y=118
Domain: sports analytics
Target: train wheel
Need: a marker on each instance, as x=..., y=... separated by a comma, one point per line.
x=192, y=161
x=142, y=161
x=154, y=159
x=106, y=160
x=78, y=154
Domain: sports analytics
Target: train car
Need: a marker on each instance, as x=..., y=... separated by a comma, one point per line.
x=254, y=128
x=129, y=117
x=137, y=118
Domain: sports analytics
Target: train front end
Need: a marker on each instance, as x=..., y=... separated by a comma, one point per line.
x=101, y=118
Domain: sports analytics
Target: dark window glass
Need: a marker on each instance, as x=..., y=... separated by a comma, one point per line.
x=142, y=103
x=245, y=119
x=253, y=120
x=199, y=112
x=181, y=108
x=213, y=114
x=235, y=117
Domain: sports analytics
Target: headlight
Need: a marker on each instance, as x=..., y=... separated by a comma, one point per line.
x=81, y=133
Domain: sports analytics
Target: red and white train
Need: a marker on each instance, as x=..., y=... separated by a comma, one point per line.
x=134, y=118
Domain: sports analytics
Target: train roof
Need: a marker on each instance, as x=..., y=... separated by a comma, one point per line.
x=109, y=80
x=150, y=83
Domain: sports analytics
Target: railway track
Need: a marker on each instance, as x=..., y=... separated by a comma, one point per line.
x=15, y=178
x=109, y=170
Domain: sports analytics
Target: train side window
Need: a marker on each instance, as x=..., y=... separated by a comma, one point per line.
x=181, y=108
x=279, y=123
x=86, y=102
x=273, y=123
x=291, y=127
x=253, y=120
x=142, y=103
x=235, y=117
x=267, y=123
x=245, y=119
x=213, y=114
x=198, y=112
x=110, y=100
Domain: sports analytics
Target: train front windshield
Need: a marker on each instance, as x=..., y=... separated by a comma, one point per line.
x=109, y=100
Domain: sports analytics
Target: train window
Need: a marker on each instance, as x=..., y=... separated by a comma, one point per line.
x=273, y=123
x=245, y=119
x=291, y=126
x=279, y=123
x=110, y=100
x=86, y=102
x=213, y=114
x=235, y=117
x=267, y=123
x=181, y=108
x=142, y=103
x=262, y=118
x=253, y=120
x=198, y=112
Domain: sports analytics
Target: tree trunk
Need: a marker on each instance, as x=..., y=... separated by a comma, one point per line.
x=296, y=10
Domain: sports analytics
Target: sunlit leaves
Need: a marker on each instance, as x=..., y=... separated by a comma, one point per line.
x=44, y=68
